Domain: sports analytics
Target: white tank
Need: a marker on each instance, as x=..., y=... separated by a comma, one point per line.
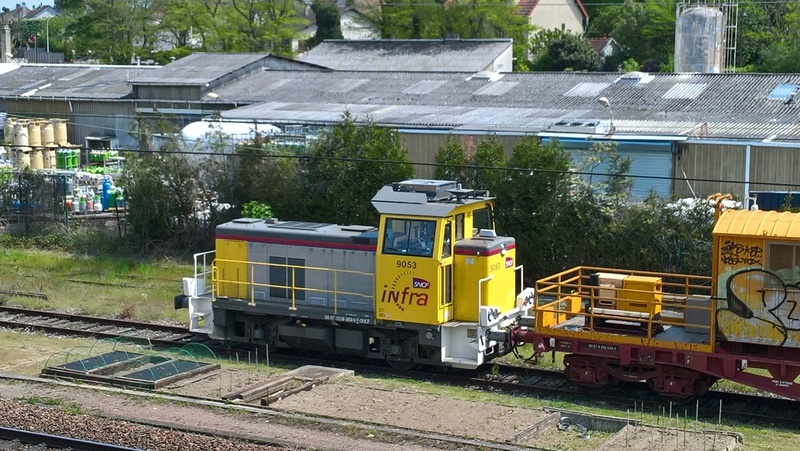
x=48, y=158
x=60, y=130
x=34, y=133
x=700, y=40
x=48, y=133
x=21, y=133
x=37, y=161
x=22, y=157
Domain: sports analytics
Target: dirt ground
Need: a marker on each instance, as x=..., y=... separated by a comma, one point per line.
x=348, y=414
x=346, y=399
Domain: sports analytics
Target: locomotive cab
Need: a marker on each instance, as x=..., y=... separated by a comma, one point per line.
x=440, y=263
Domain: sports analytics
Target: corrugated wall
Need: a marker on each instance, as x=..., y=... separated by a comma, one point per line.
x=422, y=147
x=112, y=119
x=774, y=169
x=721, y=165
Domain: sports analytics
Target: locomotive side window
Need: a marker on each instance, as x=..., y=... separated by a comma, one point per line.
x=409, y=237
x=482, y=219
x=447, y=245
x=285, y=273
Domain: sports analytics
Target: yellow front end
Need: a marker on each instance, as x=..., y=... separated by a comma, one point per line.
x=485, y=276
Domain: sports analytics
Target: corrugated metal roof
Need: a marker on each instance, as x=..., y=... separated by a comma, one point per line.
x=684, y=91
x=586, y=89
x=761, y=224
x=721, y=106
x=725, y=106
x=456, y=55
x=71, y=81
x=200, y=68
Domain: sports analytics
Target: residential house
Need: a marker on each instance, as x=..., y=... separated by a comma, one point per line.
x=567, y=15
x=609, y=50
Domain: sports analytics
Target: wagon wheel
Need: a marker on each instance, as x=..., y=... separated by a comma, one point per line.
x=680, y=385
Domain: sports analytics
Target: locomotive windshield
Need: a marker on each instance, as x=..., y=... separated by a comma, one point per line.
x=482, y=219
x=409, y=237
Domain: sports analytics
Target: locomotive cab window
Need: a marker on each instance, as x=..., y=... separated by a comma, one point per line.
x=482, y=219
x=409, y=237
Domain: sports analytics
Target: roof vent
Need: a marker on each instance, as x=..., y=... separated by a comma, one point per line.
x=486, y=75
x=635, y=77
x=575, y=126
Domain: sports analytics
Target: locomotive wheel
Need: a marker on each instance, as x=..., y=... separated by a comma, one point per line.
x=402, y=365
x=680, y=385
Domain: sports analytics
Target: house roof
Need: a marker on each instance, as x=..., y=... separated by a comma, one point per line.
x=526, y=7
x=407, y=54
x=599, y=43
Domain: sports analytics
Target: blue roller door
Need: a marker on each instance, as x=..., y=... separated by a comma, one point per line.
x=651, y=163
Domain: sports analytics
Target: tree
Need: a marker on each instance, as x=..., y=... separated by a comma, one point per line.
x=530, y=202
x=561, y=50
x=465, y=19
x=450, y=161
x=645, y=29
x=344, y=168
x=328, y=21
x=108, y=30
x=483, y=166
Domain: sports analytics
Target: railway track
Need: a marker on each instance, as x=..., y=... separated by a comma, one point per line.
x=91, y=326
x=17, y=439
x=538, y=382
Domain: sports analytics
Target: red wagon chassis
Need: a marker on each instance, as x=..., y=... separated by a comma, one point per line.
x=669, y=340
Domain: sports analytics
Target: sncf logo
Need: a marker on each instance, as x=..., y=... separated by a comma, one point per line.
x=509, y=262
x=420, y=283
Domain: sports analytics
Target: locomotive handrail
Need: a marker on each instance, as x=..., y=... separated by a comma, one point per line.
x=250, y=284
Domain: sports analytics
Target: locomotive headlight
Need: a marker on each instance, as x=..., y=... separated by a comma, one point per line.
x=503, y=250
x=429, y=335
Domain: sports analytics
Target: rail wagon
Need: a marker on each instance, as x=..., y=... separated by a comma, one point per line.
x=684, y=332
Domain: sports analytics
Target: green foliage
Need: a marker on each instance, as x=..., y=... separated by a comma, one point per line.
x=483, y=169
x=106, y=30
x=165, y=195
x=165, y=56
x=630, y=65
x=328, y=21
x=450, y=161
x=645, y=29
x=343, y=169
x=529, y=203
x=255, y=209
x=267, y=176
x=559, y=50
x=432, y=19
